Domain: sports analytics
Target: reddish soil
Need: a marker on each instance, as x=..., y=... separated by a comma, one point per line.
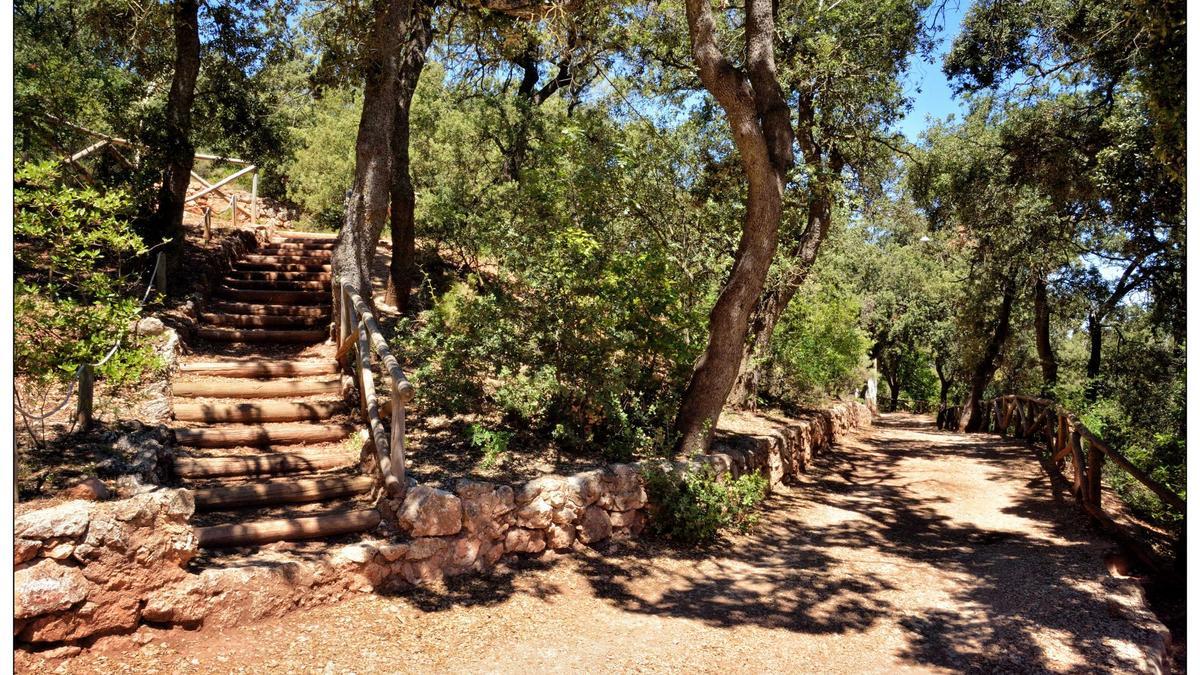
x=905, y=549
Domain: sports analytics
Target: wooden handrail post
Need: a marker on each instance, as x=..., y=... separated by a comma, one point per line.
x=233, y=210
x=254, y=198
x=1095, y=465
x=87, y=382
x=160, y=273
x=207, y=224
x=397, y=438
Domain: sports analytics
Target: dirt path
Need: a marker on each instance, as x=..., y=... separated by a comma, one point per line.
x=906, y=549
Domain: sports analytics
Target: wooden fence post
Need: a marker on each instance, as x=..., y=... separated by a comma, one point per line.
x=1095, y=464
x=233, y=210
x=1077, y=460
x=160, y=273
x=87, y=381
x=207, y=224
x=254, y=198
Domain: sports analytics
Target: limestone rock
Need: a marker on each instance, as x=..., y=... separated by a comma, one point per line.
x=46, y=587
x=622, y=489
x=537, y=514
x=392, y=552
x=25, y=550
x=485, y=508
x=110, y=614
x=354, y=554
x=228, y=596
x=151, y=325
x=595, y=525
x=559, y=537
x=430, y=512
x=521, y=540
x=91, y=489
x=65, y=521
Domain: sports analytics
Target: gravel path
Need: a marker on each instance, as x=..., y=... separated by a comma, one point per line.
x=905, y=549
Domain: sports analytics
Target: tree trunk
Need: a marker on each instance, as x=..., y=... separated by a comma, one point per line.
x=178, y=152
x=367, y=208
x=943, y=383
x=402, y=270
x=758, y=116
x=1095, y=329
x=803, y=253
x=973, y=414
x=1041, y=325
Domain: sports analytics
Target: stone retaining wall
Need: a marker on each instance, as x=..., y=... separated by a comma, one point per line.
x=87, y=569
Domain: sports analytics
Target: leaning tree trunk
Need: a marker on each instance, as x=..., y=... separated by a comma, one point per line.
x=973, y=414
x=759, y=119
x=1041, y=326
x=367, y=208
x=178, y=152
x=803, y=254
x=402, y=270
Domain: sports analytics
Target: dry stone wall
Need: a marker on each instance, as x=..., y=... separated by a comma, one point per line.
x=86, y=569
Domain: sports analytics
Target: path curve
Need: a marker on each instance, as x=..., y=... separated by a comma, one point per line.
x=903, y=549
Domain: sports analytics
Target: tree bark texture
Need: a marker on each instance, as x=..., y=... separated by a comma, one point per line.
x=973, y=414
x=774, y=301
x=402, y=271
x=370, y=197
x=1041, y=327
x=178, y=152
x=758, y=116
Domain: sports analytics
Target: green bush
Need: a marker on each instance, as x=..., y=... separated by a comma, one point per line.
x=695, y=507
x=72, y=247
x=493, y=442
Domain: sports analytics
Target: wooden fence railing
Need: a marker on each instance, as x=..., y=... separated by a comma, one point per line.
x=358, y=330
x=1068, y=439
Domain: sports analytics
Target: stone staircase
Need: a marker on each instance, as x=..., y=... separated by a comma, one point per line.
x=265, y=438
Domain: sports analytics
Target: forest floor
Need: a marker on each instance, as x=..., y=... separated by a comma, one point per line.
x=903, y=549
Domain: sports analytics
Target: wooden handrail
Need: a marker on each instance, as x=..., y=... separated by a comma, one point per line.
x=357, y=327
x=1066, y=436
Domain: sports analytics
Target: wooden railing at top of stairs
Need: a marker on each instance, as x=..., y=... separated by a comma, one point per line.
x=1067, y=437
x=358, y=329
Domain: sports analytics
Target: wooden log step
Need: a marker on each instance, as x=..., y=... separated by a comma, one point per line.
x=263, y=309
x=264, y=335
x=262, y=411
x=274, y=297
x=284, y=259
x=300, y=235
x=259, y=465
x=260, y=368
x=306, y=244
x=283, y=491
x=282, y=276
x=277, y=284
x=236, y=435
x=245, y=388
x=293, y=250
x=243, y=265
x=287, y=529
x=254, y=321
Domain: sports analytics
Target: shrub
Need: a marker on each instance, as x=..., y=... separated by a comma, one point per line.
x=71, y=250
x=493, y=442
x=695, y=507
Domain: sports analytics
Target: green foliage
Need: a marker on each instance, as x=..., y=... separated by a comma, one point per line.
x=72, y=247
x=322, y=168
x=696, y=507
x=493, y=442
x=819, y=348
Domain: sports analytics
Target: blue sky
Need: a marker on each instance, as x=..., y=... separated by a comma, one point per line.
x=925, y=84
